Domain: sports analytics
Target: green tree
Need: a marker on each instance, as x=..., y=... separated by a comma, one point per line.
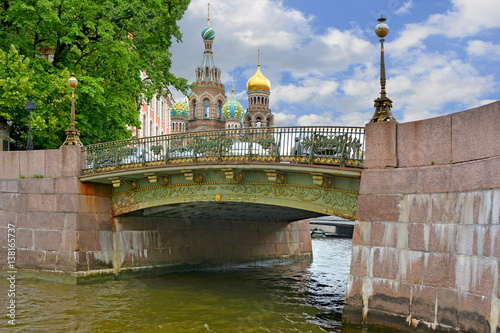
x=105, y=43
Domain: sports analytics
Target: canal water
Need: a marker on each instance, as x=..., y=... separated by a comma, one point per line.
x=272, y=297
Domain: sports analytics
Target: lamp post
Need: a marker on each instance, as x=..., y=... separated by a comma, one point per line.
x=29, y=107
x=72, y=134
x=383, y=104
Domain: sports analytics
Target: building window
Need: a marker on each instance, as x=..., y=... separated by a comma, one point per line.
x=194, y=109
x=219, y=108
x=162, y=112
x=150, y=128
x=206, y=108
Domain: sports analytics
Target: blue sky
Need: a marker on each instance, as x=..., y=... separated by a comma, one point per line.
x=322, y=56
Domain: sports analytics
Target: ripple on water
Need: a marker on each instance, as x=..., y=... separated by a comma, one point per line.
x=292, y=297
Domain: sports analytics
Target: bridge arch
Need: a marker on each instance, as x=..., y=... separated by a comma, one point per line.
x=282, y=193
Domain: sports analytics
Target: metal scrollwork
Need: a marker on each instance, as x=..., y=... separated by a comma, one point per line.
x=342, y=146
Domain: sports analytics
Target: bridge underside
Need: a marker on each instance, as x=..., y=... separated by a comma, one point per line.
x=218, y=211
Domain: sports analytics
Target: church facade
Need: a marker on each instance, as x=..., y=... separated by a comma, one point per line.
x=208, y=108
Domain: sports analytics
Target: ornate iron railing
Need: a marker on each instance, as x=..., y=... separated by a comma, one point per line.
x=340, y=146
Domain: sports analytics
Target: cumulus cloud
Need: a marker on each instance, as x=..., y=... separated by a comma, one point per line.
x=466, y=18
x=481, y=48
x=331, y=76
x=283, y=119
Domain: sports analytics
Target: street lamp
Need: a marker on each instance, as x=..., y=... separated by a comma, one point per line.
x=383, y=104
x=72, y=134
x=29, y=107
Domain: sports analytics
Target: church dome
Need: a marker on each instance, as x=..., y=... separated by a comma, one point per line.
x=180, y=109
x=258, y=82
x=232, y=109
x=208, y=33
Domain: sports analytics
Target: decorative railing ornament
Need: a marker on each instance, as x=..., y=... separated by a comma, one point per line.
x=339, y=146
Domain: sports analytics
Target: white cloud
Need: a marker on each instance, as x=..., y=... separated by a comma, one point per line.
x=312, y=119
x=405, y=8
x=467, y=18
x=482, y=48
x=283, y=119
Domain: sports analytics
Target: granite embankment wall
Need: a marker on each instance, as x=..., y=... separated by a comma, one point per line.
x=426, y=246
x=65, y=229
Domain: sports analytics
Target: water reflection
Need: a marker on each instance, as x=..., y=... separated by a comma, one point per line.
x=288, y=297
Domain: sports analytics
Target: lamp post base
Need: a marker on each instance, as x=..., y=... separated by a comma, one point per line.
x=383, y=112
x=72, y=138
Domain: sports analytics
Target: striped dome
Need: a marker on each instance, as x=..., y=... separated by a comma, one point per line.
x=232, y=109
x=208, y=33
x=180, y=109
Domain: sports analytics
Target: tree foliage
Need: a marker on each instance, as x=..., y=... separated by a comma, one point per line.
x=105, y=43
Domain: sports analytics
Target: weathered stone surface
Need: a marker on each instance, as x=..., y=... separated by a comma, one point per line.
x=52, y=163
x=385, y=263
x=9, y=186
x=447, y=312
x=42, y=202
x=45, y=220
x=411, y=266
x=361, y=233
x=442, y=238
x=31, y=163
x=419, y=208
x=379, y=208
x=37, y=185
x=467, y=176
x=434, y=179
x=422, y=142
x=25, y=239
x=437, y=269
x=449, y=251
x=390, y=296
x=47, y=240
x=10, y=165
x=474, y=313
x=360, y=260
x=491, y=176
x=423, y=303
x=480, y=123
x=380, y=141
x=72, y=161
x=389, y=181
x=419, y=236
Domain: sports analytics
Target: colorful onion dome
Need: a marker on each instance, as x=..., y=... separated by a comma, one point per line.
x=232, y=109
x=208, y=33
x=258, y=81
x=180, y=109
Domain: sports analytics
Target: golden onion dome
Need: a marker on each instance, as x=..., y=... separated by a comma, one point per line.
x=258, y=82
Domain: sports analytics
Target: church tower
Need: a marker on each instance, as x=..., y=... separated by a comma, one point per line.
x=208, y=97
x=258, y=113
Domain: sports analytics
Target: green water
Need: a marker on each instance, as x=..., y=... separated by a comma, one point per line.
x=279, y=297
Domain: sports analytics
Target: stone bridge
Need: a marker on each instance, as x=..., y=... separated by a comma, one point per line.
x=159, y=204
x=426, y=244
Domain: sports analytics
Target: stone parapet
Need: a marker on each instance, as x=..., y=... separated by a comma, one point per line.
x=426, y=246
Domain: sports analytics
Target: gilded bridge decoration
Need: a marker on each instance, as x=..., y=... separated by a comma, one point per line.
x=321, y=200
x=338, y=146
